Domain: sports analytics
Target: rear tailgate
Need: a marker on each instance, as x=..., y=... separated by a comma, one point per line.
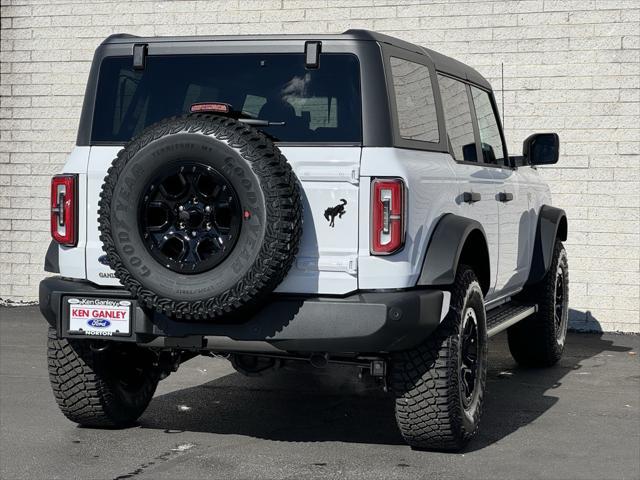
x=327, y=259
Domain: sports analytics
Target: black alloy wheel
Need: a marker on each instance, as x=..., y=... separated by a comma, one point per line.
x=190, y=218
x=560, y=314
x=469, y=349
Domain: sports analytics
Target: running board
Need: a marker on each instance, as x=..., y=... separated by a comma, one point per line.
x=501, y=318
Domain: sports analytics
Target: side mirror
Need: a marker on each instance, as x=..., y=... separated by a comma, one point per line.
x=488, y=155
x=541, y=149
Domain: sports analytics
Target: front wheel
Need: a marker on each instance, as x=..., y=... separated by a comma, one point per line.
x=100, y=388
x=538, y=341
x=439, y=385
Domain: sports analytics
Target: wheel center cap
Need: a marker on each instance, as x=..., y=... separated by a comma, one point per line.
x=184, y=216
x=192, y=218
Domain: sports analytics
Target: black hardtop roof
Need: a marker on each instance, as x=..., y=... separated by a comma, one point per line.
x=442, y=63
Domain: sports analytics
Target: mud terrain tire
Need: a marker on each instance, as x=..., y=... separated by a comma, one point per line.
x=268, y=217
x=433, y=409
x=538, y=341
x=109, y=388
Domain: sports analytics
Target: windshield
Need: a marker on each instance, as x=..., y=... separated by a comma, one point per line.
x=321, y=105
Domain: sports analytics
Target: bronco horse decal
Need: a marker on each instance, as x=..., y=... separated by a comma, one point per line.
x=332, y=212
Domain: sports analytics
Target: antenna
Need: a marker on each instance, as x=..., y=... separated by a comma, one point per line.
x=502, y=90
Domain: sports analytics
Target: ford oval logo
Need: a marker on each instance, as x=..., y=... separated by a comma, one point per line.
x=103, y=259
x=98, y=323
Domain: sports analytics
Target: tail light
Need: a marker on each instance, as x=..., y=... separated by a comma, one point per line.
x=387, y=215
x=64, y=221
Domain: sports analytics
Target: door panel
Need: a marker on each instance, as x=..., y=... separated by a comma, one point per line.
x=327, y=261
x=512, y=203
x=515, y=232
x=481, y=179
x=476, y=180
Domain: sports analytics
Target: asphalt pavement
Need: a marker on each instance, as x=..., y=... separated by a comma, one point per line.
x=578, y=420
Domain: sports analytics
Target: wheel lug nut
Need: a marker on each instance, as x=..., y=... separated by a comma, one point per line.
x=207, y=208
x=193, y=234
x=181, y=208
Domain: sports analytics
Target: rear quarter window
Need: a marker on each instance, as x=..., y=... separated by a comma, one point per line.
x=415, y=103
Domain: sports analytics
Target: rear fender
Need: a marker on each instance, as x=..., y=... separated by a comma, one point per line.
x=445, y=250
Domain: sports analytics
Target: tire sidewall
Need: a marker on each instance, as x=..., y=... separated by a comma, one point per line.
x=473, y=298
x=166, y=152
x=561, y=268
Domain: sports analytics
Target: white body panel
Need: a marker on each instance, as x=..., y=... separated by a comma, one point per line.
x=336, y=260
x=327, y=262
x=517, y=230
x=483, y=180
x=72, y=260
x=431, y=192
x=99, y=162
x=327, y=259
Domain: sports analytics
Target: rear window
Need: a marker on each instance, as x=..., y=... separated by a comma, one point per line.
x=321, y=105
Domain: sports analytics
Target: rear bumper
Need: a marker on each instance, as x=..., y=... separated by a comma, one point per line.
x=368, y=322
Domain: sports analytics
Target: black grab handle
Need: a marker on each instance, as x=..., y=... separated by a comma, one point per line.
x=505, y=197
x=471, y=197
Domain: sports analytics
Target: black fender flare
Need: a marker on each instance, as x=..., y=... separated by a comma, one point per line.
x=552, y=224
x=51, y=262
x=445, y=248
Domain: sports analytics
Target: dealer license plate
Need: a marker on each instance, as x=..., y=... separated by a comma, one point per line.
x=99, y=316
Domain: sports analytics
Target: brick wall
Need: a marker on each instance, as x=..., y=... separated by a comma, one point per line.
x=569, y=66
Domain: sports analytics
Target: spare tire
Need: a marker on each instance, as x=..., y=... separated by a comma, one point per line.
x=200, y=216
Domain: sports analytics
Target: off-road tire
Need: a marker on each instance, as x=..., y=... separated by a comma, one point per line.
x=430, y=412
x=538, y=341
x=87, y=387
x=256, y=169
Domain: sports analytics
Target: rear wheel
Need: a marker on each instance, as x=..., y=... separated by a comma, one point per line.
x=538, y=341
x=439, y=385
x=100, y=388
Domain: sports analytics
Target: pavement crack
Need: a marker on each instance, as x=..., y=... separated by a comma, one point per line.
x=174, y=452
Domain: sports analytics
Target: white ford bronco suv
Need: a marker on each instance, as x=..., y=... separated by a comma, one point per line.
x=339, y=198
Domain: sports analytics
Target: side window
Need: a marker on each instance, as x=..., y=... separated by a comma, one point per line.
x=492, y=148
x=417, y=119
x=457, y=115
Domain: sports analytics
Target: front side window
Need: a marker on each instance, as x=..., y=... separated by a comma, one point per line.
x=415, y=103
x=457, y=115
x=321, y=105
x=491, y=141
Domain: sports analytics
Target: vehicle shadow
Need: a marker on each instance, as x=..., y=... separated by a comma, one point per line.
x=301, y=404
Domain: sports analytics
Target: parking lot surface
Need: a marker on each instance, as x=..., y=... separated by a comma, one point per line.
x=580, y=419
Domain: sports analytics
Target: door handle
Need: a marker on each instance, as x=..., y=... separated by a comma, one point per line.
x=505, y=197
x=471, y=197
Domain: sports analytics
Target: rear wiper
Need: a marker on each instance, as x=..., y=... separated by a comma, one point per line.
x=256, y=122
